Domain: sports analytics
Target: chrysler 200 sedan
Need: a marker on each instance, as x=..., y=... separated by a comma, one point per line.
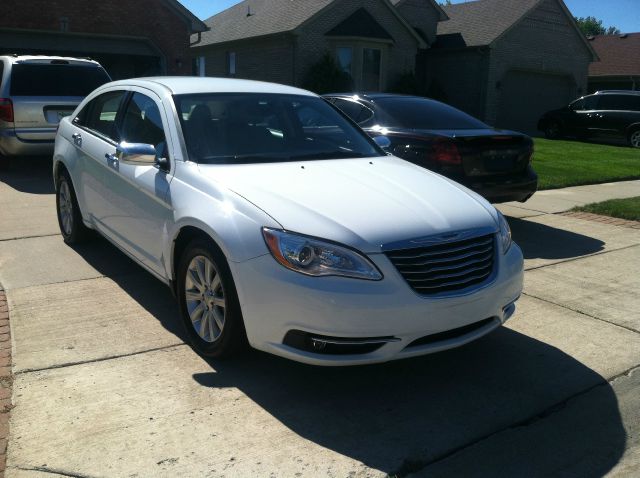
x=278, y=222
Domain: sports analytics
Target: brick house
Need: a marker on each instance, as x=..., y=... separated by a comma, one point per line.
x=140, y=38
x=509, y=61
x=505, y=61
x=619, y=65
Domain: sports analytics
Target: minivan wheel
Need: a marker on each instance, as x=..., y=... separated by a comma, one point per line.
x=69, y=217
x=209, y=302
x=552, y=130
x=634, y=138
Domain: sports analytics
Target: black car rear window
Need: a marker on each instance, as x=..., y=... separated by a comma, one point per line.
x=56, y=80
x=422, y=113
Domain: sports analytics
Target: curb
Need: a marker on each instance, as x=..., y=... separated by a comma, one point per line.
x=612, y=221
x=6, y=379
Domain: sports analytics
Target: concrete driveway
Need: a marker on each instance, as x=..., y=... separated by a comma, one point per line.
x=104, y=385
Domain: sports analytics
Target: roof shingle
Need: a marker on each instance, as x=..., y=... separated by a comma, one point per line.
x=481, y=22
x=619, y=55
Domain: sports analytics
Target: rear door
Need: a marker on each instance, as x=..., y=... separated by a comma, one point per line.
x=613, y=115
x=44, y=91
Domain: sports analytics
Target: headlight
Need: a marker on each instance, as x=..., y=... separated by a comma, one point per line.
x=505, y=233
x=316, y=257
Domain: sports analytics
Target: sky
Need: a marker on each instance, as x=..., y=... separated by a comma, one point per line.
x=624, y=14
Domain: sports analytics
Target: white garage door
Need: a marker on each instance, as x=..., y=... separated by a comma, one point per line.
x=525, y=96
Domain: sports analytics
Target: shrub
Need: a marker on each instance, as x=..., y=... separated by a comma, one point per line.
x=326, y=76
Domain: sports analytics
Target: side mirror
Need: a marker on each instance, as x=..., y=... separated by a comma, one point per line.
x=382, y=141
x=136, y=153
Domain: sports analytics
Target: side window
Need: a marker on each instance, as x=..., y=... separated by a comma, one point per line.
x=142, y=123
x=635, y=103
x=577, y=105
x=354, y=110
x=1, y=71
x=615, y=102
x=591, y=103
x=100, y=114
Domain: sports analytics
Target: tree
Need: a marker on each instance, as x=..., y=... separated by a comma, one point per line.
x=591, y=26
x=326, y=76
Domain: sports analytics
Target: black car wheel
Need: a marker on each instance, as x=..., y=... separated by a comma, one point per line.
x=634, y=138
x=209, y=302
x=69, y=217
x=553, y=130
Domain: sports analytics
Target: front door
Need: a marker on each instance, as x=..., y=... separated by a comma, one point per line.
x=140, y=206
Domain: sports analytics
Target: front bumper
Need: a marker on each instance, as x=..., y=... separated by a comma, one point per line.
x=11, y=145
x=276, y=301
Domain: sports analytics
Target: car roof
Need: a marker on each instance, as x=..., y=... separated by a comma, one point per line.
x=371, y=95
x=179, y=85
x=617, y=92
x=48, y=59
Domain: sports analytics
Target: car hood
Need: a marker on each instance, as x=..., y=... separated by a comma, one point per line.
x=448, y=133
x=363, y=203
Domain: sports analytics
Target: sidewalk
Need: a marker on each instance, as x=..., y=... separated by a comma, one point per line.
x=554, y=201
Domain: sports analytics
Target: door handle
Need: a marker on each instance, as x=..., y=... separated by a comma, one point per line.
x=111, y=158
x=77, y=138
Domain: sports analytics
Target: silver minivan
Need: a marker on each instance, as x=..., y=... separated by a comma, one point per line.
x=35, y=93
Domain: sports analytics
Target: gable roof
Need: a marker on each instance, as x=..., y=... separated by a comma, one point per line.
x=360, y=24
x=482, y=22
x=619, y=55
x=195, y=24
x=256, y=18
x=434, y=4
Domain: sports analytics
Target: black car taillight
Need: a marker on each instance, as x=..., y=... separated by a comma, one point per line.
x=6, y=110
x=445, y=153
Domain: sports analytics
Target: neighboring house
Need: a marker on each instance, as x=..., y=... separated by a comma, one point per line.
x=279, y=40
x=141, y=38
x=509, y=61
x=619, y=65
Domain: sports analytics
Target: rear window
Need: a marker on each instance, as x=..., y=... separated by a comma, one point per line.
x=421, y=113
x=56, y=80
x=618, y=102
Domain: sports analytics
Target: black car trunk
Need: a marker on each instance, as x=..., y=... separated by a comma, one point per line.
x=494, y=155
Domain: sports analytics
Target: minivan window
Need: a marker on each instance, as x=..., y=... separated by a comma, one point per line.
x=222, y=128
x=420, y=113
x=36, y=79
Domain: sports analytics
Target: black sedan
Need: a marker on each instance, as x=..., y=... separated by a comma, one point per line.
x=496, y=164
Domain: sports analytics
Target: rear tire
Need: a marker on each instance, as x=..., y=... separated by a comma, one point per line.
x=634, y=138
x=553, y=130
x=209, y=302
x=72, y=228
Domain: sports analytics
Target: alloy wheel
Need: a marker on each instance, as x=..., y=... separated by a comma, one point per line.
x=205, y=298
x=634, y=139
x=65, y=208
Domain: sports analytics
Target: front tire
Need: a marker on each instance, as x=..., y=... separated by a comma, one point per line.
x=634, y=138
x=69, y=217
x=209, y=302
x=553, y=130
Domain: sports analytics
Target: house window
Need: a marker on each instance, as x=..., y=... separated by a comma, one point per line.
x=371, y=59
x=64, y=24
x=231, y=63
x=345, y=59
x=201, y=70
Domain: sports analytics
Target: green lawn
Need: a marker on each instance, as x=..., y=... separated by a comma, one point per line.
x=571, y=163
x=621, y=208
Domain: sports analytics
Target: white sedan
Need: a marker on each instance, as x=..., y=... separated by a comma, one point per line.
x=277, y=222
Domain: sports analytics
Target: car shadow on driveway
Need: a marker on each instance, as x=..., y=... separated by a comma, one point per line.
x=539, y=241
x=30, y=174
x=402, y=416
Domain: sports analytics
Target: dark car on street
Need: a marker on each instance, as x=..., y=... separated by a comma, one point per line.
x=494, y=163
x=605, y=115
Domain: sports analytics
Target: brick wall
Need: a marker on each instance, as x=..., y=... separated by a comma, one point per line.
x=265, y=59
x=421, y=14
x=152, y=19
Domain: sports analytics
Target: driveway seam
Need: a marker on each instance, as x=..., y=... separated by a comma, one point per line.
x=103, y=276
x=28, y=237
x=53, y=471
x=410, y=467
x=580, y=258
x=630, y=329
x=6, y=379
x=101, y=359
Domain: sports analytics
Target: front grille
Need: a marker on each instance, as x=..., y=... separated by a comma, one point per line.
x=446, y=267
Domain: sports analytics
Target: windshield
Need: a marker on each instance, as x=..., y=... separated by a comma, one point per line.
x=421, y=113
x=223, y=128
x=56, y=80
